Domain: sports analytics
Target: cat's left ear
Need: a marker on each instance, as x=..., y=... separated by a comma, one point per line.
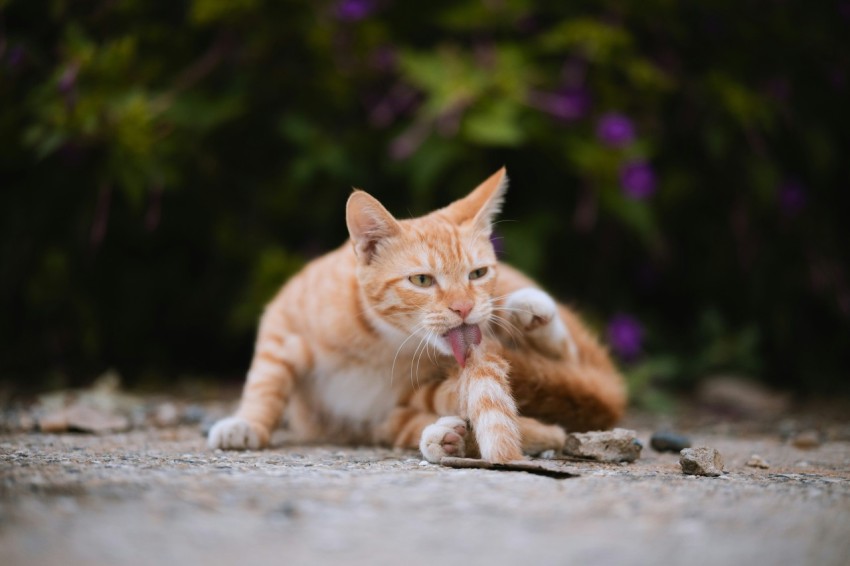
x=482, y=205
x=369, y=224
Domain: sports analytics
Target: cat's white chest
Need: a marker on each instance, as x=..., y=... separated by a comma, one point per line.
x=355, y=393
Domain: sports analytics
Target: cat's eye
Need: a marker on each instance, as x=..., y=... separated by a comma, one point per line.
x=478, y=273
x=421, y=280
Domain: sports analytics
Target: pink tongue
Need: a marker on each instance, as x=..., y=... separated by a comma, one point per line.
x=461, y=338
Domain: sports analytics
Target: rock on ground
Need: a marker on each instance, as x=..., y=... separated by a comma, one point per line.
x=702, y=461
x=666, y=441
x=757, y=461
x=618, y=445
x=83, y=418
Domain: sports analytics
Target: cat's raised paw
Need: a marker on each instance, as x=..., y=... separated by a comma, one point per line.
x=531, y=308
x=236, y=433
x=446, y=437
x=536, y=313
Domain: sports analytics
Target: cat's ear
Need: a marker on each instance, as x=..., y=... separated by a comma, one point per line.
x=368, y=223
x=482, y=205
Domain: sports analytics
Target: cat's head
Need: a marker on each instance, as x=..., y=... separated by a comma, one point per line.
x=435, y=276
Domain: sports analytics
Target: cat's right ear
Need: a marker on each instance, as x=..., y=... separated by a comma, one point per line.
x=368, y=223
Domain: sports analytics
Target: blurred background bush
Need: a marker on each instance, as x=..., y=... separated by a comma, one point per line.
x=680, y=171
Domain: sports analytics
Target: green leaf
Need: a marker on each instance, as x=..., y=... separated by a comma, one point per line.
x=596, y=40
x=494, y=123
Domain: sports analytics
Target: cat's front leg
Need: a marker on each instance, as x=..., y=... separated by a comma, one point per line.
x=486, y=400
x=535, y=313
x=278, y=359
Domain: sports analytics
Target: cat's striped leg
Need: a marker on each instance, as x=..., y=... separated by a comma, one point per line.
x=535, y=313
x=279, y=358
x=418, y=423
x=485, y=399
x=449, y=436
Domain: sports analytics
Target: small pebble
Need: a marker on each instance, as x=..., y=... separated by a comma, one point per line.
x=806, y=440
x=166, y=415
x=194, y=414
x=664, y=441
x=757, y=461
x=702, y=461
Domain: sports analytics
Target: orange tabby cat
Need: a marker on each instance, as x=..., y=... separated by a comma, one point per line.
x=412, y=334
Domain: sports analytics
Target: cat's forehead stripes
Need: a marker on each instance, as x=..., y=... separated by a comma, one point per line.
x=444, y=247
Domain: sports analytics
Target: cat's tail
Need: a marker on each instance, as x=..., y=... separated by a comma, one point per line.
x=576, y=395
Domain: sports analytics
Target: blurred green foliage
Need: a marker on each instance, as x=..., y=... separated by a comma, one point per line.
x=166, y=165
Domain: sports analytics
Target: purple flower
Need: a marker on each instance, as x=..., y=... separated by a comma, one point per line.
x=353, y=10
x=68, y=79
x=625, y=334
x=570, y=104
x=637, y=179
x=792, y=198
x=615, y=130
x=383, y=59
x=16, y=57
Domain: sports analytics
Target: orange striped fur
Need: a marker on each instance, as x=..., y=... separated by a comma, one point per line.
x=353, y=350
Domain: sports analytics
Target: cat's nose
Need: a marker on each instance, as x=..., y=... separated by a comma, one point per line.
x=461, y=308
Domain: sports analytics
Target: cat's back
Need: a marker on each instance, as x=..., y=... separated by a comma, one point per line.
x=322, y=303
x=323, y=286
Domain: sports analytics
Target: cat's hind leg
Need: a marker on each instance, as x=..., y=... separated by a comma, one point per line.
x=279, y=358
x=449, y=436
x=418, y=424
x=538, y=437
x=535, y=313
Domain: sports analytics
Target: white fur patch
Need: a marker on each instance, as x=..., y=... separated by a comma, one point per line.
x=234, y=433
x=446, y=437
x=487, y=389
x=355, y=394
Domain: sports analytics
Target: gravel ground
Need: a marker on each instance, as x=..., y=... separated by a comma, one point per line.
x=158, y=496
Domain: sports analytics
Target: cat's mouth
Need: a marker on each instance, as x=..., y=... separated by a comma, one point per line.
x=461, y=339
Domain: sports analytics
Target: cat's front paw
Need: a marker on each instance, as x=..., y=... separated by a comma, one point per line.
x=536, y=313
x=236, y=433
x=446, y=437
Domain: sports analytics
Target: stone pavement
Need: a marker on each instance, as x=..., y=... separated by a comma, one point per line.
x=158, y=496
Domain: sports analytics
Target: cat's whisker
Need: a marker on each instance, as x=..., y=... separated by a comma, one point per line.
x=505, y=323
x=424, y=350
x=412, y=360
x=430, y=343
x=490, y=227
x=513, y=333
x=416, y=329
x=512, y=309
